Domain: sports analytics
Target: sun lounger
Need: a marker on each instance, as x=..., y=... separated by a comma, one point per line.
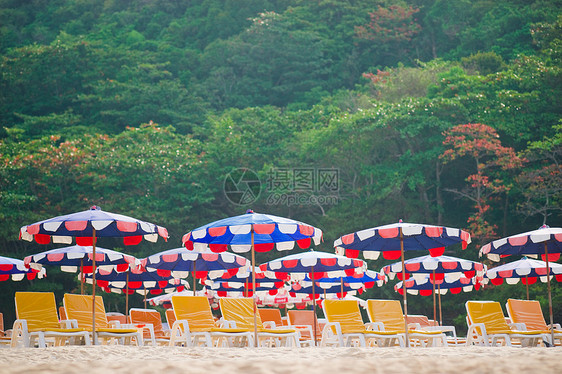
x=239, y=312
x=487, y=326
x=271, y=317
x=37, y=319
x=304, y=321
x=79, y=308
x=421, y=322
x=387, y=315
x=194, y=325
x=151, y=323
x=528, y=313
x=345, y=327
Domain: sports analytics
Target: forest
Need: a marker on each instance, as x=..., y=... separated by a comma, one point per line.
x=344, y=114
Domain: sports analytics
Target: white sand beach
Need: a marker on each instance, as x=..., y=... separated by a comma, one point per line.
x=149, y=360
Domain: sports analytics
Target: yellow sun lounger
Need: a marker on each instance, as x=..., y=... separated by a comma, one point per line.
x=345, y=327
x=488, y=327
x=240, y=313
x=387, y=315
x=151, y=323
x=194, y=321
x=37, y=318
x=529, y=313
x=79, y=308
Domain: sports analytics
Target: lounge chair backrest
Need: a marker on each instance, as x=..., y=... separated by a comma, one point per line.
x=271, y=314
x=388, y=312
x=38, y=309
x=62, y=313
x=422, y=320
x=347, y=313
x=196, y=310
x=488, y=313
x=2, y=324
x=304, y=317
x=143, y=316
x=241, y=311
x=79, y=307
x=528, y=312
x=170, y=317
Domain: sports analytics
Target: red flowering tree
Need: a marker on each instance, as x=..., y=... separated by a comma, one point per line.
x=480, y=145
x=392, y=24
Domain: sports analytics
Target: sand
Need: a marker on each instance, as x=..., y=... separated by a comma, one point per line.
x=168, y=360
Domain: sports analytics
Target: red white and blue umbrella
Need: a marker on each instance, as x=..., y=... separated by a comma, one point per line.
x=253, y=232
x=315, y=265
x=79, y=258
x=395, y=239
x=426, y=286
x=438, y=268
x=242, y=282
x=86, y=227
x=526, y=270
x=546, y=241
x=179, y=263
x=14, y=269
x=136, y=280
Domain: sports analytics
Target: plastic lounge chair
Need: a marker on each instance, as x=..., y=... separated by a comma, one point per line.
x=240, y=313
x=421, y=322
x=170, y=317
x=529, y=314
x=37, y=318
x=4, y=335
x=194, y=321
x=79, y=308
x=271, y=317
x=151, y=323
x=304, y=321
x=345, y=327
x=487, y=326
x=387, y=315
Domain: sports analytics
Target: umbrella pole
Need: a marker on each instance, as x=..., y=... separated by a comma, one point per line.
x=194, y=269
x=434, y=311
x=549, y=294
x=127, y=297
x=82, y=279
x=341, y=285
x=527, y=285
x=145, y=294
x=405, y=290
x=440, y=312
x=254, y=290
x=313, y=305
x=94, y=337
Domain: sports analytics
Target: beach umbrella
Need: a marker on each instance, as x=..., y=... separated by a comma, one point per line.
x=201, y=263
x=426, y=286
x=166, y=299
x=86, y=227
x=356, y=282
x=546, y=242
x=135, y=280
x=242, y=282
x=316, y=265
x=253, y=232
x=395, y=239
x=437, y=269
x=80, y=258
x=526, y=270
x=14, y=269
